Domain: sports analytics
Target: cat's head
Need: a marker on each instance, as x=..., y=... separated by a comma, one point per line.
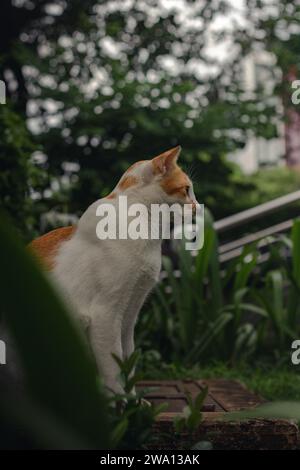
x=158, y=180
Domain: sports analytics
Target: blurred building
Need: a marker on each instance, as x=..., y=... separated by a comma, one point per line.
x=260, y=152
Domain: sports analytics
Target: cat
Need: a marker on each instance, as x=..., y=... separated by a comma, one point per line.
x=107, y=281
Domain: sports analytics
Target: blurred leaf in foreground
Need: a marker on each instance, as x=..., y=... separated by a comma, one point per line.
x=59, y=371
x=280, y=409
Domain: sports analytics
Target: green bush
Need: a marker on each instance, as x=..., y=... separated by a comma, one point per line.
x=19, y=176
x=246, y=192
x=243, y=310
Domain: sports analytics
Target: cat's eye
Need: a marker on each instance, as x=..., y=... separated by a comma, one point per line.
x=187, y=188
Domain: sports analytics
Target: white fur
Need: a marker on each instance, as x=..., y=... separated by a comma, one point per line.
x=107, y=281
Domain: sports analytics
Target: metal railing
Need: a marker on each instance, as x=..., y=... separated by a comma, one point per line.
x=234, y=248
x=256, y=212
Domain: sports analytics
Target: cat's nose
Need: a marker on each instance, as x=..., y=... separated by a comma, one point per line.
x=194, y=204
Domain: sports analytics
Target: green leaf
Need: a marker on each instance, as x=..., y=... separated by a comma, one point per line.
x=59, y=370
x=280, y=409
x=119, y=431
x=200, y=398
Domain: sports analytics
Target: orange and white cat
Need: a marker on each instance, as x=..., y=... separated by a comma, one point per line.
x=106, y=281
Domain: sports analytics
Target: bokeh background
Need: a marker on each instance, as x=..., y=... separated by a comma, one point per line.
x=93, y=86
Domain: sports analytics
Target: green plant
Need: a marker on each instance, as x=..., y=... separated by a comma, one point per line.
x=187, y=313
x=263, y=186
x=132, y=417
x=200, y=310
x=279, y=295
x=196, y=308
x=271, y=379
x=280, y=409
x=190, y=419
x=192, y=415
x=19, y=176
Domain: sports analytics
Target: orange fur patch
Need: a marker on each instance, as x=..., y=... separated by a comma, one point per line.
x=127, y=182
x=44, y=248
x=111, y=196
x=175, y=181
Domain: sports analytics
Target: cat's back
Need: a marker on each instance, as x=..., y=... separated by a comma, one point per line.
x=45, y=247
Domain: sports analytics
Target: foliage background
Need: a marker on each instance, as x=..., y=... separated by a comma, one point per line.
x=101, y=84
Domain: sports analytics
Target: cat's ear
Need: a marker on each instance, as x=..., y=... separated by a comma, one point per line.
x=165, y=162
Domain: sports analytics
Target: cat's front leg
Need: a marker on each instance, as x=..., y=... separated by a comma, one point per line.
x=105, y=338
x=128, y=326
x=130, y=318
x=128, y=336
